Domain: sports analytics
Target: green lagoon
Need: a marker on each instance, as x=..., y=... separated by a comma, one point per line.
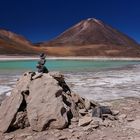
x=63, y=65
x=99, y=80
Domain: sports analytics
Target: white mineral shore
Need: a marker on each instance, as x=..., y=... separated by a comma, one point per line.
x=6, y=57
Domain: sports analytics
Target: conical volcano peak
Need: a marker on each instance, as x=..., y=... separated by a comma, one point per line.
x=91, y=31
x=93, y=20
x=89, y=24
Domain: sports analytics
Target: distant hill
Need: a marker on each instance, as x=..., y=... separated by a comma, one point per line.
x=14, y=44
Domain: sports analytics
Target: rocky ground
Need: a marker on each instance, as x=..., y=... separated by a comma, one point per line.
x=125, y=126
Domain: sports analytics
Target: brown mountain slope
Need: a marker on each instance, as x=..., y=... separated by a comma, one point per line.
x=93, y=50
x=91, y=31
x=11, y=44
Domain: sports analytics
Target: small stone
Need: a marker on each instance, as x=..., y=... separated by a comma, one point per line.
x=75, y=97
x=29, y=138
x=38, y=75
x=130, y=119
x=57, y=134
x=106, y=123
x=9, y=137
x=71, y=130
x=97, y=122
x=56, y=74
x=122, y=116
x=87, y=104
x=90, y=111
x=74, y=120
x=83, y=111
x=24, y=134
x=71, y=126
x=93, y=103
x=115, y=112
x=63, y=138
x=109, y=104
x=96, y=119
x=110, y=117
x=89, y=128
x=84, y=121
x=96, y=125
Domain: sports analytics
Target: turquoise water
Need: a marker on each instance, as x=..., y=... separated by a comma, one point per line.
x=80, y=76
x=63, y=65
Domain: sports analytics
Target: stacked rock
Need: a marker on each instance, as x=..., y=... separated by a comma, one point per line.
x=40, y=66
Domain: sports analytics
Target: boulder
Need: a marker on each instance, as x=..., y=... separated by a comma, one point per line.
x=11, y=105
x=101, y=111
x=8, y=111
x=45, y=104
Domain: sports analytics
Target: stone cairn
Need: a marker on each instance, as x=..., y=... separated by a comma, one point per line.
x=40, y=66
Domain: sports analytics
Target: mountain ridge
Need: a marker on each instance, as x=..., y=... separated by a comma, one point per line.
x=90, y=37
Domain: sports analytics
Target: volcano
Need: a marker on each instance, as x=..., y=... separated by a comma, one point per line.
x=92, y=37
x=89, y=32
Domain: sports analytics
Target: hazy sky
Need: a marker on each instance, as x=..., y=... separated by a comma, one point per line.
x=41, y=20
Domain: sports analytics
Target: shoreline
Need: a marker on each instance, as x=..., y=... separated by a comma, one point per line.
x=12, y=58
